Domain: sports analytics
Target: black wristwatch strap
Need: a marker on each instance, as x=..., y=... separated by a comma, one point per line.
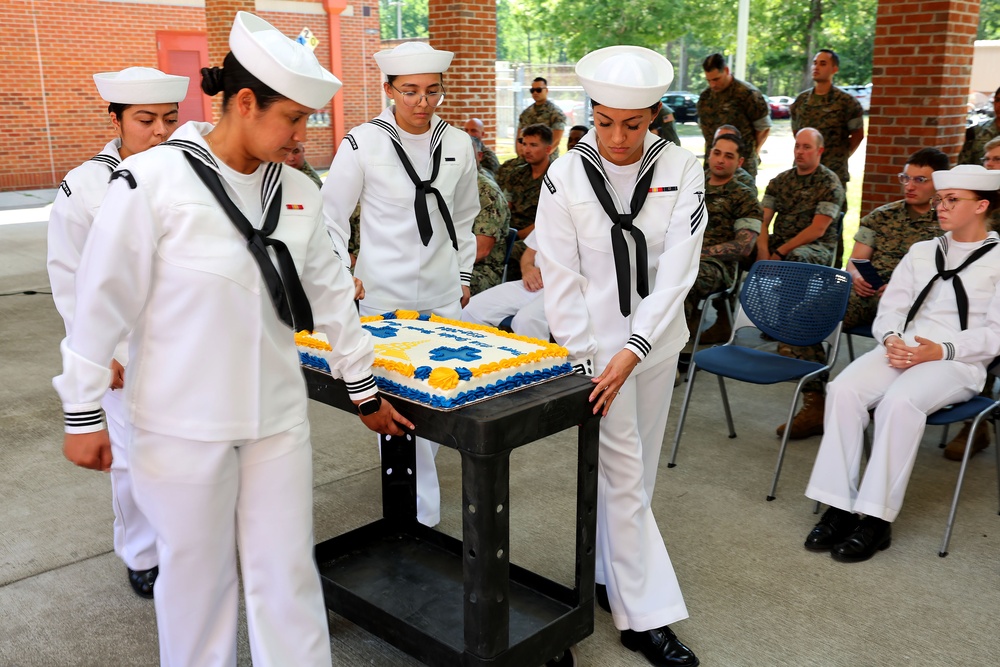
x=370, y=406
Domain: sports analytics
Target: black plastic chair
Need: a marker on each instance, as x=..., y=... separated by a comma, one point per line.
x=794, y=303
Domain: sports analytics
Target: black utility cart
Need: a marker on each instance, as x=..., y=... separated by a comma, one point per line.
x=449, y=602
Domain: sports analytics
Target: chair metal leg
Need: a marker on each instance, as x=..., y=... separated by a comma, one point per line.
x=850, y=346
x=958, y=487
x=725, y=407
x=944, y=437
x=684, y=409
x=784, y=442
x=816, y=507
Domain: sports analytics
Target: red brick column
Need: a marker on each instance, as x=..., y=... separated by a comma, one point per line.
x=920, y=84
x=219, y=15
x=469, y=28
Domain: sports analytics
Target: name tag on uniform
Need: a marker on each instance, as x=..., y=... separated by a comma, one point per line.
x=668, y=188
x=294, y=207
x=449, y=159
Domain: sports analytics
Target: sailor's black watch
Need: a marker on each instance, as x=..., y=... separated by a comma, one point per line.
x=370, y=406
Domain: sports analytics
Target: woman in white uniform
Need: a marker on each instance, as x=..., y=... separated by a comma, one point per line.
x=619, y=229
x=142, y=104
x=939, y=327
x=415, y=177
x=210, y=252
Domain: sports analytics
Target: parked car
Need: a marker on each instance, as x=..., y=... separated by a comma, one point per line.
x=778, y=110
x=684, y=104
x=783, y=99
x=862, y=94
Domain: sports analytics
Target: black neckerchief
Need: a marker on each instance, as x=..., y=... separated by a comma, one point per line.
x=961, y=299
x=423, y=188
x=285, y=288
x=622, y=222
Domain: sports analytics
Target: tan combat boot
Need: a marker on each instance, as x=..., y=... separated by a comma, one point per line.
x=808, y=421
x=719, y=332
x=956, y=448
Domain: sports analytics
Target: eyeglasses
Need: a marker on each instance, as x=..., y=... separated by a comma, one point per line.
x=412, y=99
x=948, y=203
x=536, y=90
x=991, y=160
x=919, y=180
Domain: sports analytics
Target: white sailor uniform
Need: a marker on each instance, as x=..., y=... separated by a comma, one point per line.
x=493, y=306
x=215, y=395
x=902, y=398
x=398, y=269
x=584, y=309
x=76, y=203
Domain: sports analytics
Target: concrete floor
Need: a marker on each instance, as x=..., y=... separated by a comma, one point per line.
x=756, y=597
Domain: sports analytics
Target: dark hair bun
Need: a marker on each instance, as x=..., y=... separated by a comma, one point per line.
x=212, y=80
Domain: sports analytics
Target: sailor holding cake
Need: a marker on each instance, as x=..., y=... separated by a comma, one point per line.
x=210, y=252
x=620, y=224
x=416, y=179
x=142, y=104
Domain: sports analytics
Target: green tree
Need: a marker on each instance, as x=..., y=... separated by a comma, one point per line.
x=413, y=14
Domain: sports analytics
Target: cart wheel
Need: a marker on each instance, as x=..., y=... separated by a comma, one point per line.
x=567, y=659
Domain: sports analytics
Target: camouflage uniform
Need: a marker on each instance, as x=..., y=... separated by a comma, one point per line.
x=741, y=175
x=975, y=139
x=503, y=172
x=889, y=230
x=740, y=105
x=795, y=200
x=662, y=127
x=522, y=191
x=311, y=173
x=731, y=207
x=354, y=244
x=493, y=220
x=835, y=115
x=490, y=162
x=547, y=113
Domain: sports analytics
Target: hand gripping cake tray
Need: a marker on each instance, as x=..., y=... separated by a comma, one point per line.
x=446, y=364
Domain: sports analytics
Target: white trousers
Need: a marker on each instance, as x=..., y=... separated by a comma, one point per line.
x=902, y=400
x=428, y=487
x=494, y=305
x=134, y=537
x=632, y=560
x=205, y=500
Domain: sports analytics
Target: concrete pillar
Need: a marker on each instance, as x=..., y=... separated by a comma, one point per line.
x=469, y=28
x=920, y=85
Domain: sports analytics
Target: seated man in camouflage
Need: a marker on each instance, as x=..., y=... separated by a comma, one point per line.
x=734, y=218
x=490, y=227
x=741, y=175
x=977, y=136
x=887, y=233
x=807, y=200
x=522, y=185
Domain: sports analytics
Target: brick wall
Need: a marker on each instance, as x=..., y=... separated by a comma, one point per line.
x=40, y=140
x=920, y=83
x=469, y=29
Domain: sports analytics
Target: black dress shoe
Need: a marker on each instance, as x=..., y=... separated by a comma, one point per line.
x=601, y=597
x=142, y=581
x=661, y=647
x=871, y=535
x=834, y=527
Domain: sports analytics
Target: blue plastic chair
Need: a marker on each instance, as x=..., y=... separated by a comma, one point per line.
x=794, y=303
x=723, y=294
x=864, y=330
x=978, y=409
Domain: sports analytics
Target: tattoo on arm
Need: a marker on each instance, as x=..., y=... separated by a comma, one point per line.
x=733, y=250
